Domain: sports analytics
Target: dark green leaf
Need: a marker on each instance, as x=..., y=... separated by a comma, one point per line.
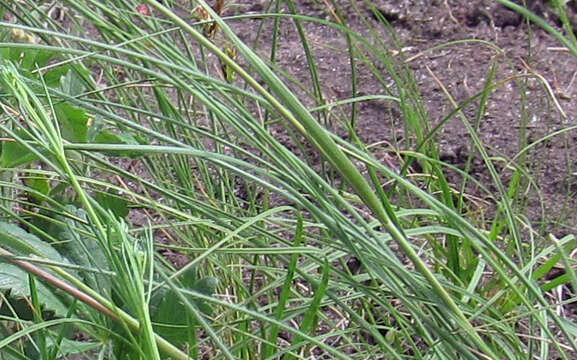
x=16, y=280
x=107, y=137
x=20, y=242
x=71, y=83
x=69, y=347
x=73, y=122
x=171, y=318
x=83, y=250
x=39, y=184
x=15, y=154
x=114, y=203
x=52, y=77
x=27, y=59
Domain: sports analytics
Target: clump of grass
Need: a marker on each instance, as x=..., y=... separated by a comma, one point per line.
x=174, y=120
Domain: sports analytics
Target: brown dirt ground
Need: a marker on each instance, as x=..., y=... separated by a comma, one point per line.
x=420, y=25
x=463, y=69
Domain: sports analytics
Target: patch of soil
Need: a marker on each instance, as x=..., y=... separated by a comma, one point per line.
x=533, y=67
x=535, y=96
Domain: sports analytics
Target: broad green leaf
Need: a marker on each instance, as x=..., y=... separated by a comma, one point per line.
x=69, y=347
x=53, y=76
x=40, y=184
x=82, y=250
x=15, y=280
x=114, y=203
x=71, y=83
x=20, y=242
x=15, y=154
x=73, y=122
x=170, y=317
x=206, y=286
x=107, y=137
x=27, y=59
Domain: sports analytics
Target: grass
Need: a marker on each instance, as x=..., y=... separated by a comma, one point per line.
x=159, y=133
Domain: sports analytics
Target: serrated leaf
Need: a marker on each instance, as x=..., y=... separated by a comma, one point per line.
x=16, y=280
x=73, y=122
x=20, y=242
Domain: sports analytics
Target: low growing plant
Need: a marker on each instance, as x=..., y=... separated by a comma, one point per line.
x=158, y=137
